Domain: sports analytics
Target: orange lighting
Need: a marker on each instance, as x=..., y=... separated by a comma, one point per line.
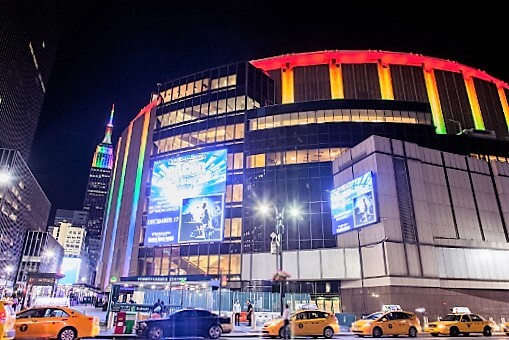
x=505, y=106
x=384, y=74
x=369, y=56
x=474, y=103
x=436, y=109
x=287, y=86
x=336, y=81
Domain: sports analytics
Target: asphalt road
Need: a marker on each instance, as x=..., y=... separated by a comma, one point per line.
x=351, y=337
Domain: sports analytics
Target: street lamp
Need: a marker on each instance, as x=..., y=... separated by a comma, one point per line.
x=277, y=239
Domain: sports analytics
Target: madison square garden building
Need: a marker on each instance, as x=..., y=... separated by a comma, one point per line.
x=396, y=162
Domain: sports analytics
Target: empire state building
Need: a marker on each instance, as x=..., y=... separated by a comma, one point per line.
x=96, y=195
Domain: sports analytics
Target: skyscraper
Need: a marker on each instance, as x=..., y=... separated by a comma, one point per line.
x=97, y=191
x=29, y=34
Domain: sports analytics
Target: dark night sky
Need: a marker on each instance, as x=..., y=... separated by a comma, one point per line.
x=116, y=52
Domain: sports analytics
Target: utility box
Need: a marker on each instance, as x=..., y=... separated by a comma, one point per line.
x=130, y=321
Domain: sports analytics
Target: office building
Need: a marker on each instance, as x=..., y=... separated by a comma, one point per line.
x=23, y=207
x=96, y=195
x=278, y=124
x=41, y=254
x=29, y=35
x=75, y=217
x=71, y=237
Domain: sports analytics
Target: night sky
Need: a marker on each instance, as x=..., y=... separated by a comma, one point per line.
x=116, y=52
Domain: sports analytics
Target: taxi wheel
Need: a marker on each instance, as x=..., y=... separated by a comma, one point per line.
x=328, y=332
x=67, y=333
x=487, y=331
x=434, y=334
x=377, y=332
x=454, y=331
x=412, y=332
x=466, y=334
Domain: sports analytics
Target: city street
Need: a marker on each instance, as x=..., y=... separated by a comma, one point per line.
x=498, y=336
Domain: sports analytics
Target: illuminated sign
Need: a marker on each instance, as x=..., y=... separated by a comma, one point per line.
x=187, y=199
x=71, y=269
x=353, y=205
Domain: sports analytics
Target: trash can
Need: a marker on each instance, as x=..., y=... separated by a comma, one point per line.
x=130, y=320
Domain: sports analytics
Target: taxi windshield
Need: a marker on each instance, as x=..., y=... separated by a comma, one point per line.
x=451, y=317
x=373, y=316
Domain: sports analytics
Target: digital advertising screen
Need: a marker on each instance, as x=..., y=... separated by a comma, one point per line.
x=353, y=204
x=186, y=202
x=71, y=269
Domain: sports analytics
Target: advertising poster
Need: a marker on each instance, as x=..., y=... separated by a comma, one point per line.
x=186, y=202
x=353, y=204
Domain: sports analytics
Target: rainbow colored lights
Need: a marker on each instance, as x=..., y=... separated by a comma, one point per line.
x=103, y=156
x=384, y=59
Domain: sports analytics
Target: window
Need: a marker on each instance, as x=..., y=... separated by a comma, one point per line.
x=465, y=318
x=476, y=318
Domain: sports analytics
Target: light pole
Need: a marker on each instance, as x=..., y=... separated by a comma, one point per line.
x=278, y=239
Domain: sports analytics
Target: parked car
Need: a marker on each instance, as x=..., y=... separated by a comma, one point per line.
x=55, y=322
x=460, y=323
x=189, y=322
x=304, y=323
x=387, y=323
x=7, y=319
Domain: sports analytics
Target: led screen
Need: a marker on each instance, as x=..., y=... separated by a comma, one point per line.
x=187, y=199
x=71, y=269
x=353, y=204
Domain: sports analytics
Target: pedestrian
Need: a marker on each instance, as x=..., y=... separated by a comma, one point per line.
x=157, y=309
x=249, y=315
x=286, y=322
x=236, y=312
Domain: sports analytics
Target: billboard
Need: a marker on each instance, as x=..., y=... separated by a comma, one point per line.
x=71, y=269
x=353, y=204
x=186, y=202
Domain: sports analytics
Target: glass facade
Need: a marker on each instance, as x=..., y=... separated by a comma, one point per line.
x=282, y=153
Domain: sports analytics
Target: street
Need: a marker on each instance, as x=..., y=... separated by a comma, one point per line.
x=498, y=336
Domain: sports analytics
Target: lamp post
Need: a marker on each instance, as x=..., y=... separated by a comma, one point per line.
x=277, y=238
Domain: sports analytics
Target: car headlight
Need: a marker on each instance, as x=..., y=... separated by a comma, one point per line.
x=142, y=325
x=367, y=324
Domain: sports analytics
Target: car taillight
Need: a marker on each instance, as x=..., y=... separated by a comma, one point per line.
x=3, y=317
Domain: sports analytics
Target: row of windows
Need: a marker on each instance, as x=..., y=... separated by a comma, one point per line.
x=339, y=115
x=191, y=265
x=490, y=158
x=293, y=157
x=206, y=109
x=213, y=135
x=197, y=87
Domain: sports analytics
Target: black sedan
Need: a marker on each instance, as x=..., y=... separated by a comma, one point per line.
x=185, y=323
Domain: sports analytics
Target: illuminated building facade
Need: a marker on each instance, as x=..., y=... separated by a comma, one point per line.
x=96, y=195
x=283, y=121
x=23, y=207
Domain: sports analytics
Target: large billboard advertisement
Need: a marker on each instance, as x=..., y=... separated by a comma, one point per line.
x=71, y=269
x=186, y=201
x=353, y=204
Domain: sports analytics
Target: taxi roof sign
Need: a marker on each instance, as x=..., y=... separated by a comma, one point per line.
x=461, y=310
x=391, y=308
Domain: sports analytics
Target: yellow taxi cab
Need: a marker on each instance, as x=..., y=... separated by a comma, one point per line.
x=505, y=328
x=396, y=322
x=304, y=323
x=7, y=319
x=57, y=322
x=460, y=321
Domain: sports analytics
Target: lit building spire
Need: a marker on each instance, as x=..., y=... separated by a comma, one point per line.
x=103, y=156
x=109, y=127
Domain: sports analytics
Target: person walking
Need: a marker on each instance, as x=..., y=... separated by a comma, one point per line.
x=249, y=312
x=157, y=309
x=286, y=322
x=236, y=312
